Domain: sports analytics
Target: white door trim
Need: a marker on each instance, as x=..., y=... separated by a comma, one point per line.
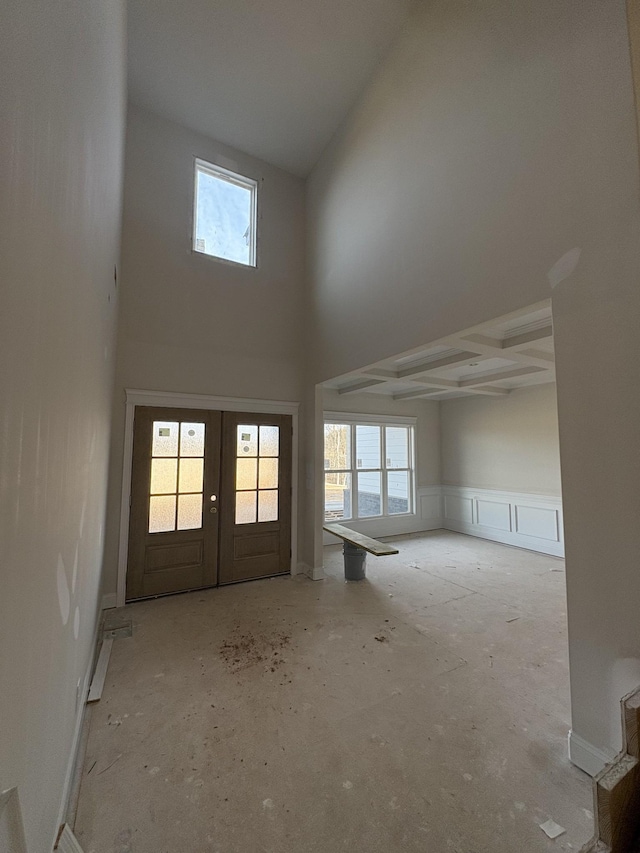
x=171, y=399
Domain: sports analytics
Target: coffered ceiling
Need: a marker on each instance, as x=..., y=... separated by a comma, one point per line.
x=493, y=359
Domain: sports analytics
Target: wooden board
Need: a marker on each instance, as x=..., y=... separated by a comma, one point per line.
x=378, y=549
x=97, y=683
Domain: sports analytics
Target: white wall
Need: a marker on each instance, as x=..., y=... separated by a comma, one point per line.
x=508, y=443
x=495, y=138
x=62, y=107
x=188, y=322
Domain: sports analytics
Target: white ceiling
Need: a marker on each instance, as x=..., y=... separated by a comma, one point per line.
x=273, y=78
x=492, y=359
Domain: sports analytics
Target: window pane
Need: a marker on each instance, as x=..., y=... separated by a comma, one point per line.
x=398, y=492
x=337, y=446
x=189, y=512
x=337, y=496
x=369, y=496
x=268, y=473
x=268, y=506
x=162, y=514
x=191, y=474
x=163, y=476
x=367, y=446
x=397, y=447
x=165, y=439
x=269, y=440
x=246, y=507
x=191, y=439
x=224, y=220
x=247, y=444
x=246, y=473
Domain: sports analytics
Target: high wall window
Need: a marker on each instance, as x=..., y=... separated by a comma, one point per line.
x=368, y=469
x=224, y=215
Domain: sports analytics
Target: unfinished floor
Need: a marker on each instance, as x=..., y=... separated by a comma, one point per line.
x=423, y=709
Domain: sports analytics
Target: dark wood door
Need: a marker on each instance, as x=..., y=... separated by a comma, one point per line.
x=173, y=530
x=255, y=502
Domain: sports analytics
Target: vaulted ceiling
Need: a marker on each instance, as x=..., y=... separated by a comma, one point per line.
x=492, y=360
x=274, y=79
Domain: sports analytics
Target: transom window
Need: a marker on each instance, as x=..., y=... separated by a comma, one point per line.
x=368, y=469
x=224, y=216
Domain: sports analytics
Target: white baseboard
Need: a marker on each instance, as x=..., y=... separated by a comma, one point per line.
x=586, y=756
x=80, y=713
x=314, y=574
x=12, y=839
x=526, y=521
x=108, y=601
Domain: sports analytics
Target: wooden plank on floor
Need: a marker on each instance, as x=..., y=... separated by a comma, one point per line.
x=97, y=682
x=378, y=549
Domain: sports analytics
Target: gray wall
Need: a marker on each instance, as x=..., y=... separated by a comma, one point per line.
x=494, y=139
x=189, y=322
x=508, y=443
x=62, y=105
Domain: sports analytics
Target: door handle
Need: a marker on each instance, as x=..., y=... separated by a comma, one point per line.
x=214, y=509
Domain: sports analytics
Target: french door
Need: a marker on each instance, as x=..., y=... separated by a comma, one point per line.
x=210, y=499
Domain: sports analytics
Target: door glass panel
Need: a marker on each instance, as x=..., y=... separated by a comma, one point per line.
x=163, y=476
x=337, y=496
x=369, y=496
x=398, y=492
x=191, y=475
x=246, y=507
x=162, y=514
x=177, y=467
x=337, y=446
x=268, y=505
x=269, y=440
x=191, y=439
x=189, y=512
x=367, y=446
x=165, y=438
x=246, y=473
x=268, y=473
x=247, y=443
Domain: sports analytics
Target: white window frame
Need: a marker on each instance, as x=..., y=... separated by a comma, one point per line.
x=352, y=420
x=240, y=181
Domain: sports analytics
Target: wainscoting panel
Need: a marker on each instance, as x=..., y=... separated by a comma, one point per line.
x=527, y=521
x=495, y=514
x=458, y=508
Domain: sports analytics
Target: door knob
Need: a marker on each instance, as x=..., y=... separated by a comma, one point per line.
x=214, y=509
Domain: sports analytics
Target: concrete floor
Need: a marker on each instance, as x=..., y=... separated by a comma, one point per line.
x=423, y=709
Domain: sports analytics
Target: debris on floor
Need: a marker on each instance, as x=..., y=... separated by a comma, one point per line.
x=552, y=829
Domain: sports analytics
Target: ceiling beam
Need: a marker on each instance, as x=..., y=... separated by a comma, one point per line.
x=492, y=348
x=527, y=338
x=436, y=364
x=360, y=386
x=496, y=377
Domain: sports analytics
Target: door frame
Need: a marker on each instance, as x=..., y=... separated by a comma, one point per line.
x=171, y=399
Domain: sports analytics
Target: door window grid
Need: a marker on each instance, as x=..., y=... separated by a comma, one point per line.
x=369, y=470
x=177, y=476
x=257, y=460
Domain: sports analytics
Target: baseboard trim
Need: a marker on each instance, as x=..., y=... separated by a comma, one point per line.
x=586, y=756
x=80, y=716
x=314, y=574
x=108, y=601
